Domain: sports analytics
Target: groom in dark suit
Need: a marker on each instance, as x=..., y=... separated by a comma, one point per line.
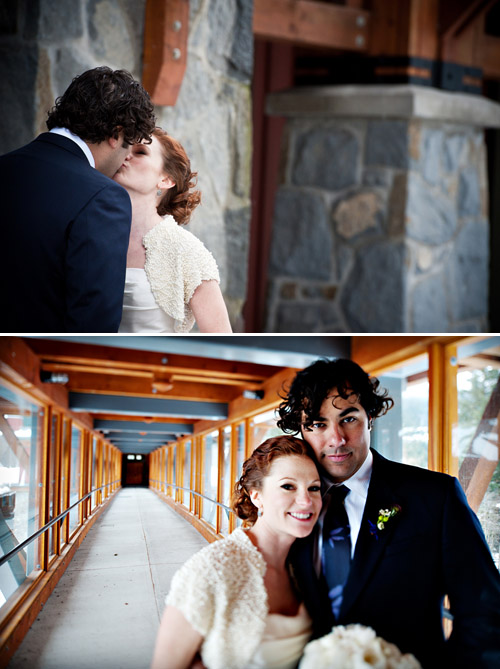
x=397, y=540
x=65, y=223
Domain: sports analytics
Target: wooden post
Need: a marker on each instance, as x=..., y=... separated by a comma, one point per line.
x=165, y=49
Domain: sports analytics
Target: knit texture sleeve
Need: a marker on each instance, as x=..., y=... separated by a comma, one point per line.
x=176, y=264
x=191, y=592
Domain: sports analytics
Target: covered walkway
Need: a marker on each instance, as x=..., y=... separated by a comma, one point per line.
x=106, y=608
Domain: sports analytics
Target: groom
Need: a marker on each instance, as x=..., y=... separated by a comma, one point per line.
x=65, y=223
x=402, y=538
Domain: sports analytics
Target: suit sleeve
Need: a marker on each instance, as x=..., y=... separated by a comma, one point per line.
x=473, y=586
x=96, y=255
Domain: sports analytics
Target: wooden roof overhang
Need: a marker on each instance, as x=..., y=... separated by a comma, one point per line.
x=442, y=43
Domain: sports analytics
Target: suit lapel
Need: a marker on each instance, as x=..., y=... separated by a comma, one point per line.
x=370, y=547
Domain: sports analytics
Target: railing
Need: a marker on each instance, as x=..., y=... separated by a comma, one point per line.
x=8, y=556
x=193, y=492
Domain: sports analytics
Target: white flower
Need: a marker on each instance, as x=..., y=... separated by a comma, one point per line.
x=354, y=647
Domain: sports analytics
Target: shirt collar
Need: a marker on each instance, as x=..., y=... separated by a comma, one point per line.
x=358, y=482
x=83, y=145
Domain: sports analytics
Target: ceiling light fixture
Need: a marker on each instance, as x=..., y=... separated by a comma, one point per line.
x=253, y=394
x=53, y=377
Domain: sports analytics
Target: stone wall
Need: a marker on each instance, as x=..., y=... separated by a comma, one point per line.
x=381, y=217
x=45, y=43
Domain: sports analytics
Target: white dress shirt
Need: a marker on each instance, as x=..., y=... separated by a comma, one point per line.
x=84, y=147
x=354, y=503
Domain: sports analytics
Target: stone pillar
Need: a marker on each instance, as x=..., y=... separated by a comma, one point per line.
x=381, y=217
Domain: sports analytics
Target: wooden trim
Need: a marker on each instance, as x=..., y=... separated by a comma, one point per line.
x=312, y=23
x=44, y=499
x=273, y=71
x=56, y=501
x=490, y=56
x=404, y=28
x=381, y=353
x=166, y=29
x=220, y=486
x=449, y=420
x=437, y=385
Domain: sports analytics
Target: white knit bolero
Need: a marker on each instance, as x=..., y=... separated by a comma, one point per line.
x=220, y=591
x=176, y=264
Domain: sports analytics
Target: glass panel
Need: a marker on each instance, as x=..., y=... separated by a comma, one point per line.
x=476, y=439
x=95, y=471
x=174, y=471
x=226, y=480
x=75, y=477
x=210, y=477
x=52, y=482
x=263, y=427
x=187, y=472
x=21, y=434
x=403, y=433
x=166, y=478
x=66, y=450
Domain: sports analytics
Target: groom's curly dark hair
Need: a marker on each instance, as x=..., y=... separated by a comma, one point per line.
x=101, y=103
x=302, y=402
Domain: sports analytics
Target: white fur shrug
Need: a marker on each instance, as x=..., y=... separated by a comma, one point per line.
x=176, y=264
x=221, y=592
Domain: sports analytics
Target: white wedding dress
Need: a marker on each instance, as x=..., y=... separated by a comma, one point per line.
x=283, y=642
x=156, y=298
x=141, y=313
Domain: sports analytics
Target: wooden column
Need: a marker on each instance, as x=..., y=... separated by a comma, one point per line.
x=165, y=49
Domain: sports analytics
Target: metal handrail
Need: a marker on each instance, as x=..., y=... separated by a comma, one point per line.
x=193, y=492
x=8, y=556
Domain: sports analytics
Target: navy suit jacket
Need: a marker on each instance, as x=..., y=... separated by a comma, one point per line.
x=398, y=578
x=65, y=234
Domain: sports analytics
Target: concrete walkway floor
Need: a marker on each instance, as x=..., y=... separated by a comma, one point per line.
x=105, y=610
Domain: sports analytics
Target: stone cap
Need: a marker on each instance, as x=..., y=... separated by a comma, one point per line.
x=385, y=101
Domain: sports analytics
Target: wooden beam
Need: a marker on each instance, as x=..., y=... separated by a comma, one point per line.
x=374, y=353
x=311, y=23
x=405, y=28
x=116, y=385
x=462, y=41
x=14, y=444
x=165, y=49
x=490, y=56
x=22, y=366
x=106, y=357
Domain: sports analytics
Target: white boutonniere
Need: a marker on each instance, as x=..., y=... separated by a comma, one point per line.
x=384, y=515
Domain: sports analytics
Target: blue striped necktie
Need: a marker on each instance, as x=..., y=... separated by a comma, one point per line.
x=336, y=553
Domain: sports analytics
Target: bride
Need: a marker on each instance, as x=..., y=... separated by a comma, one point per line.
x=172, y=279
x=235, y=601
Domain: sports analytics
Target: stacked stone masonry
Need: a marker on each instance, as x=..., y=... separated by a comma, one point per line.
x=380, y=225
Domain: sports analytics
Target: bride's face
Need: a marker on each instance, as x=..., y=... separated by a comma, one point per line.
x=142, y=169
x=290, y=498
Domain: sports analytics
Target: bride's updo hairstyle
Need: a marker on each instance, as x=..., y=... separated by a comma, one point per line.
x=178, y=201
x=256, y=468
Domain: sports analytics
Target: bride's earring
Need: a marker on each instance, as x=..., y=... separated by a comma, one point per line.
x=159, y=192
x=259, y=511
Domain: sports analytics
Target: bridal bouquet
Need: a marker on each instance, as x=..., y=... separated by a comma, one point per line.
x=354, y=647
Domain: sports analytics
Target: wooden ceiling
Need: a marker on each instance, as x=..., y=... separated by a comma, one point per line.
x=142, y=392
